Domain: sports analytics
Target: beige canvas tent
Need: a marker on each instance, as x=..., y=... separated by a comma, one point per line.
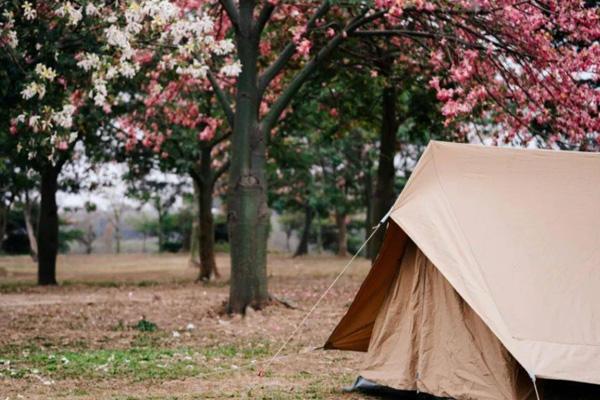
x=489, y=275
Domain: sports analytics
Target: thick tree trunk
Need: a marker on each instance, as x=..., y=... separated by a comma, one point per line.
x=342, y=228
x=206, y=236
x=48, y=228
x=302, y=248
x=384, y=189
x=248, y=213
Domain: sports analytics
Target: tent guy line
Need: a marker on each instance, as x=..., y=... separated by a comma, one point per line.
x=277, y=356
x=325, y=292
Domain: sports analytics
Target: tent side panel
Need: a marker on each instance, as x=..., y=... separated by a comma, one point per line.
x=354, y=330
x=427, y=338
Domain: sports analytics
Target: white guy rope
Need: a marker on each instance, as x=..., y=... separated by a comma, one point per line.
x=314, y=307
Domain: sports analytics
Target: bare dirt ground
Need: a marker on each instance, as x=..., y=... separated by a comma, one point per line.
x=84, y=339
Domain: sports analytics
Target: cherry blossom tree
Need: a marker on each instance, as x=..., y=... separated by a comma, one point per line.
x=181, y=130
x=71, y=67
x=529, y=65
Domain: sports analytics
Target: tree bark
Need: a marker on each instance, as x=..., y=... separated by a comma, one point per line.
x=384, y=188
x=117, y=224
x=342, y=228
x=206, y=236
x=195, y=236
x=302, y=248
x=27, y=215
x=48, y=227
x=159, y=228
x=4, y=209
x=248, y=213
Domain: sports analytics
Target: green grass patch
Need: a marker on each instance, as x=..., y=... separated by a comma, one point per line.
x=136, y=363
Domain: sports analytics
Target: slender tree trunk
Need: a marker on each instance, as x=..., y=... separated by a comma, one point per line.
x=248, y=213
x=195, y=239
x=118, y=214
x=302, y=248
x=342, y=228
x=368, y=195
x=384, y=189
x=159, y=233
x=48, y=228
x=208, y=265
x=28, y=216
x=4, y=209
x=319, y=234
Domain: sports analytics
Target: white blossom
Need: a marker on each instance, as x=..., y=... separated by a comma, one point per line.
x=64, y=117
x=34, y=121
x=118, y=38
x=45, y=72
x=196, y=70
x=233, y=69
x=9, y=16
x=29, y=91
x=73, y=13
x=91, y=10
x=28, y=11
x=128, y=70
x=13, y=40
x=223, y=47
x=89, y=61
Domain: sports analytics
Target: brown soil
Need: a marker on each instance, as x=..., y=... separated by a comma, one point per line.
x=105, y=295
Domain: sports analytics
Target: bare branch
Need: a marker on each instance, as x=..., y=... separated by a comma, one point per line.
x=222, y=97
x=302, y=76
x=230, y=9
x=264, y=16
x=275, y=68
x=220, y=171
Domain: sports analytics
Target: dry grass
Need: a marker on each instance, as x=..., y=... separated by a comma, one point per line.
x=80, y=340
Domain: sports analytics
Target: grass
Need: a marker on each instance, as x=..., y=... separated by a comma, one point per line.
x=136, y=363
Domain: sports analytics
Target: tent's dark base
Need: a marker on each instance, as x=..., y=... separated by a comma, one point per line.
x=552, y=390
x=371, y=388
x=563, y=390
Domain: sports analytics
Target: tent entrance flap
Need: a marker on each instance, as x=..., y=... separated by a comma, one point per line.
x=426, y=338
x=354, y=330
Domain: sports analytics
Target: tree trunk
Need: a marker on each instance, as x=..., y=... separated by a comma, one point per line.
x=368, y=197
x=195, y=236
x=4, y=209
x=28, y=216
x=248, y=213
x=342, y=228
x=48, y=228
x=384, y=188
x=208, y=265
x=117, y=224
x=159, y=228
x=302, y=248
